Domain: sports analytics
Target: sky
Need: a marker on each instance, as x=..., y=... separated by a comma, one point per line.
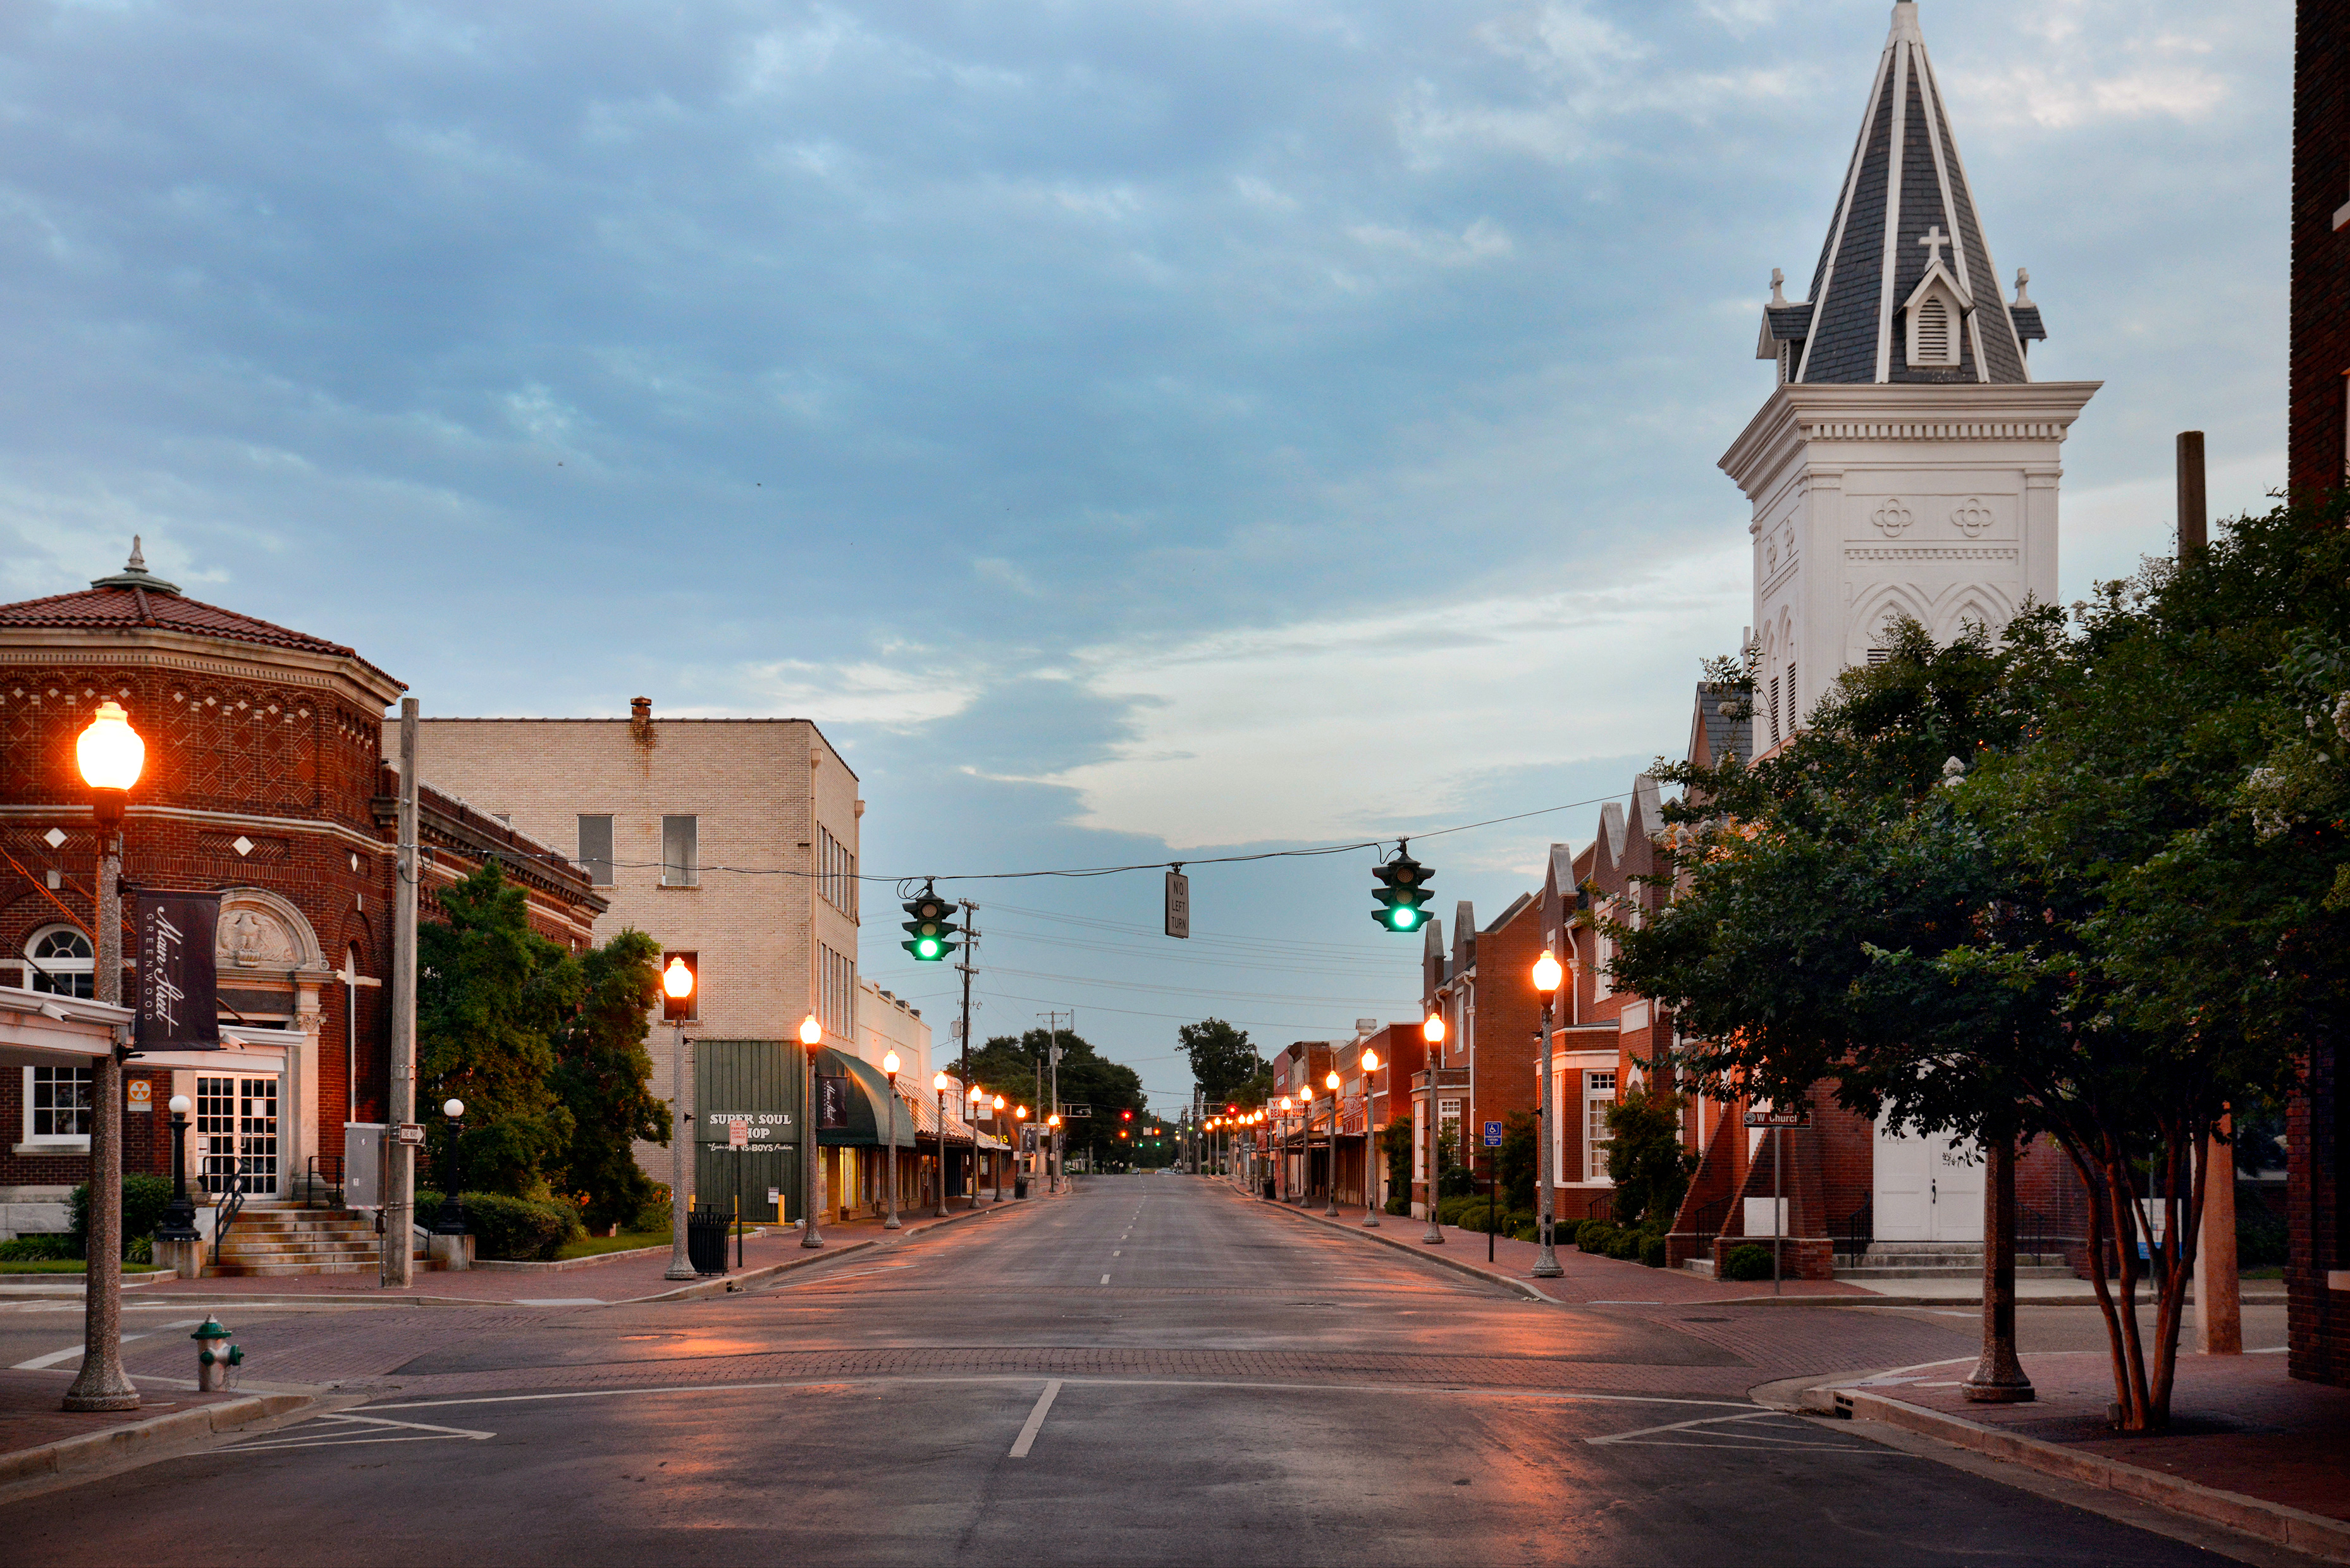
x=1133, y=432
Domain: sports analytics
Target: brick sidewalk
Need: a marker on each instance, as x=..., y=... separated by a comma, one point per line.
x=2238, y=1423
x=1589, y=1279
x=29, y=1415
x=621, y=1280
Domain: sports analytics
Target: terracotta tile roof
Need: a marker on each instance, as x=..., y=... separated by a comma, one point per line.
x=131, y=610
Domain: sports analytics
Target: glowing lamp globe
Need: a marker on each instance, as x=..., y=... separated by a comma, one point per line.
x=1022, y=1112
x=677, y=981
x=811, y=1031
x=1331, y=1082
x=110, y=752
x=1432, y=1030
x=977, y=1094
x=889, y=1062
x=1547, y=974
x=1370, y=1061
x=1054, y=1120
x=999, y=1101
x=940, y=1083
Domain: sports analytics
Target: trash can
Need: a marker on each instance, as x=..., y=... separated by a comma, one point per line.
x=1019, y=1186
x=705, y=1239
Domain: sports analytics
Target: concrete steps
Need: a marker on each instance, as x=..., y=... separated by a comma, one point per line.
x=1944, y=1261
x=278, y=1241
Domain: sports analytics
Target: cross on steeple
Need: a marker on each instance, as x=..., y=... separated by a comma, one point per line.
x=1934, y=240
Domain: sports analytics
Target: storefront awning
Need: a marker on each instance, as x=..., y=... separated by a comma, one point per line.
x=37, y=1028
x=868, y=1109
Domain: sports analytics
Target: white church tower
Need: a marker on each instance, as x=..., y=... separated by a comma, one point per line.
x=1906, y=463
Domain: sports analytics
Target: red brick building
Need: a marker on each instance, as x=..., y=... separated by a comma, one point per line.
x=2317, y=1274
x=264, y=781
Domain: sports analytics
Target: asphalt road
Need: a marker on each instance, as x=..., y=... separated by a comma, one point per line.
x=1152, y=1371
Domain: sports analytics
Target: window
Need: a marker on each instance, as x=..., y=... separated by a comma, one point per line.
x=236, y=1134
x=61, y=962
x=596, y=849
x=1877, y=656
x=835, y=872
x=1603, y=953
x=1933, y=346
x=836, y=998
x=57, y=1105
x=1598, y=1094
x=1774, y=710
x=1448, y=1125
x=681, y=852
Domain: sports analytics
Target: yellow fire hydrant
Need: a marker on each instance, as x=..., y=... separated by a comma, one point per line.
x=216, y=1356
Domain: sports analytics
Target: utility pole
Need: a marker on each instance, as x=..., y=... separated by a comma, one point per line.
x=1053, y=1059
x=970, y=942
x=397, y=1270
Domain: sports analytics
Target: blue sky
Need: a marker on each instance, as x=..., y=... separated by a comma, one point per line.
x=1131, y=430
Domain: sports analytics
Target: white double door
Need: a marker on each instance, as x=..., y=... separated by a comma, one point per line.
x=1927, y=1187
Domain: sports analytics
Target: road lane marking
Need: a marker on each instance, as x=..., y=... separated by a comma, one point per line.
x=333, y=1436
x=1019, y=1445
x=43, y=1362
x=1105, y=1278
x=1653, y=1436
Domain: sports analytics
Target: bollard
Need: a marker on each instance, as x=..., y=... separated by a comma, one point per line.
x=216, y=1356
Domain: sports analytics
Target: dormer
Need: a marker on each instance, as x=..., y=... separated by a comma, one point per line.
x=1934, y=314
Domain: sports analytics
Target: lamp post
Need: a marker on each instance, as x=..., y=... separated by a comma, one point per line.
x=1280, y=1164
x=1432, y=1030
x=677, y=1002
x=812, y=1040
x=978, y=1098
x=939, y=1084
x=451, y=1221
x=179, y=1215
x=1052, y=1136
x=890, y=1064
x=1331, y=1082
x=995, y=1162
x=110, y=756
x=1370, y=1183
x=1020, y=1136
x=1547, y=976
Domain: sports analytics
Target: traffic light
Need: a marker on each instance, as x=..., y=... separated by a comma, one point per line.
x=931, y=932
x=1403, y=890
x=1125, y=1116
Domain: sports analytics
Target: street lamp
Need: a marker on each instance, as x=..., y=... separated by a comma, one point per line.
x=1432, y=1030
x=1370, y=1183
x=110, y=756
x=1020, y=1123
x=939, y=1084
x=451, y=1221
x=1052, y=1151
x=677, y=1005
x=889, y=1066
x=1281, y=1168
x=812, y=1038
x=978, y=1098
x=995, y=1163
x=1547, y=976
x=1331, y=1083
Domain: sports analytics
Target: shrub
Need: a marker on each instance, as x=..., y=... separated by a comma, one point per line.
x=1652, y=1252
x=144, y=1198
x=46, y=1247
x=1593, y=1235
x=1747, y=1262
x=1399, y=1204
x=519, y=1230
x=1625, y=1245
x=2261, y=1238
x=652, y=1216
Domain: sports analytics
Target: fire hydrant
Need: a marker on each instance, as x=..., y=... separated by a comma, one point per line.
x=216, y=1356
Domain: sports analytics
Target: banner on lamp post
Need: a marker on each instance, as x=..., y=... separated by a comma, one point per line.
x=179, y=983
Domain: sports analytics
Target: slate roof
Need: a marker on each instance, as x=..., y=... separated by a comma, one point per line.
x=1722, y=735
x=134, y=599
x=1905, y=177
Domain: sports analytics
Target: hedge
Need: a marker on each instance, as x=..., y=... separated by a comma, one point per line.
x=1747, y=1262
x=144, y=1198
x=518, y=1230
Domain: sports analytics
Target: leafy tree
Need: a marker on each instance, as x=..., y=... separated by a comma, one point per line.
x=491, y=998
x=1015, y=1067
x=1223, y=1059
x=1395, y=1142
x=1645, y=1161
x=1517, y=1157
x=604, y=1076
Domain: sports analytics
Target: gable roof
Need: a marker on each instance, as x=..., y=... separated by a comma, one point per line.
x=1713, y=734
x=1905, y=201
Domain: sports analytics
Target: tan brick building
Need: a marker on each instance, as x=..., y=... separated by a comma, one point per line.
x=732, y=839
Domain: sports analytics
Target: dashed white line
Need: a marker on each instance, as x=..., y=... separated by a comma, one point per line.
x=1021, y=1445
x=1105, y=1278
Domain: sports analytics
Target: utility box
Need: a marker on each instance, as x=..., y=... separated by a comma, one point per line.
x=363, y=1172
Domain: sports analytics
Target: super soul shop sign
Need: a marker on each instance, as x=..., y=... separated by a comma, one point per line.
x=752, y=1132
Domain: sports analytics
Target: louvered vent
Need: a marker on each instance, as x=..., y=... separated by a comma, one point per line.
x=1933, y=333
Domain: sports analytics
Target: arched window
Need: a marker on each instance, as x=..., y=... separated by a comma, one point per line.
x=61, y=962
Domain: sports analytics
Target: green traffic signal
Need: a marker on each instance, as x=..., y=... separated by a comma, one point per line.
x=1403, y=890
x=930, y=933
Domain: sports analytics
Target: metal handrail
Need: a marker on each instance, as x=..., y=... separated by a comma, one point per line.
x=324, y=1168
x=232, y=1204
x=1855, y=1233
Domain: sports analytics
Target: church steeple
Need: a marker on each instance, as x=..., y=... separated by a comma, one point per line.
x=1886, y=303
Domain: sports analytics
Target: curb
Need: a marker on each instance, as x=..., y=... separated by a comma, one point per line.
x=2272, y=1522
x=1457, y=1265
x=136, y=1437
x=565, y=1265
x=726, y=1285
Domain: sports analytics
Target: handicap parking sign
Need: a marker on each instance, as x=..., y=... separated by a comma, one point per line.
x=1492, y=1135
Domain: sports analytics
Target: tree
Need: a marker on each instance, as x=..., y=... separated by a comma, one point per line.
x=1223, y=1059
x=1645, y=1161
x=603, y=1076
x=2105, y=921
x=1015, y=1067
x=492, y=996
x=1516, y=1160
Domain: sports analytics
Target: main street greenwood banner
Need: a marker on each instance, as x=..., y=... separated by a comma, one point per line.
x=179, y=988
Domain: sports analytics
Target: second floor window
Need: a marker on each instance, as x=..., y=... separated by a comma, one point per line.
x=596, y=849
x=680, y=851
x=61, y=962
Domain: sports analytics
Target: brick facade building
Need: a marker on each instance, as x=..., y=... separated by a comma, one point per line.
x=264, y=780
x=2317, y=1273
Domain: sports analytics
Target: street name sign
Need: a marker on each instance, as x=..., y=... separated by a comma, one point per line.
x=1799, y=1117
x=1068, y=1111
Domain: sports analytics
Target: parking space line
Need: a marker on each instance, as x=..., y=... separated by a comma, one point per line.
x=1035, y=1422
